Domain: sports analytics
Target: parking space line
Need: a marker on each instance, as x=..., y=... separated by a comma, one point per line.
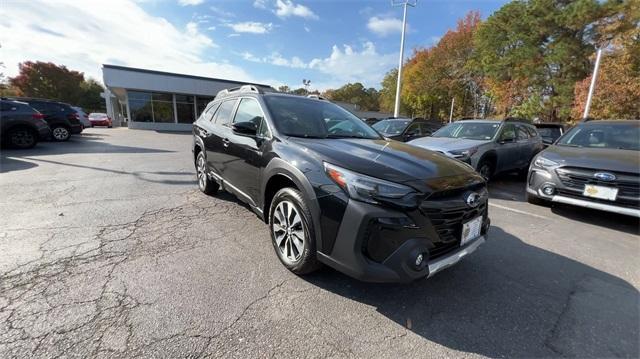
x=518, y=211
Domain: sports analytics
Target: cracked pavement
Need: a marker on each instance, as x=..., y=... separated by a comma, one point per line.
x=108, y=250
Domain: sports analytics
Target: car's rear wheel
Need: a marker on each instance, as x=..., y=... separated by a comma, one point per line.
x=292, y=233
x=205, y=184
x=60, y=133
x=22, y=138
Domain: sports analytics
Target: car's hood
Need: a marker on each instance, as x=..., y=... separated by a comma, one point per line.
x=596, y=158
x=446, y=144
x=393, y=161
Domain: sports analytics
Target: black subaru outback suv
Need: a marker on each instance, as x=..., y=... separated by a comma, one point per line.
x=334, y=191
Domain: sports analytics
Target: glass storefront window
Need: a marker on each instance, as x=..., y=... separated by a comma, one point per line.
x=163, y=107
x=140, y=106
x=185, y=109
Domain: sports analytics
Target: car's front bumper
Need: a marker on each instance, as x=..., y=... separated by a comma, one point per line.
x=539, y=177
x=379, y=244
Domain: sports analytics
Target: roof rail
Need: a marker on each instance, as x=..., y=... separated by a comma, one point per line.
x=243, y=88
x=317, y=97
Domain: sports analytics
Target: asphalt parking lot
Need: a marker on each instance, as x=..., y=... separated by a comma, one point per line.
x=107, y=249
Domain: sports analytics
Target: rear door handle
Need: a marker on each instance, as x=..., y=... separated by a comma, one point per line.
x=225, y=142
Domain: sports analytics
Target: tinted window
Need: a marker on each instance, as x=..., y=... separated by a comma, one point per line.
x=414, y=129
x=523, y=133
x=6, y=106
x=508, y=132
x=532, y=131
x=425, y=129
x=304, y=117
x=210, y=112
x=201, y=103
x=223, y=115
x=549, y=133
x=249, y=111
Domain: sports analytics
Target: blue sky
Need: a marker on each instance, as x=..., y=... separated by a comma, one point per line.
x=275, y=41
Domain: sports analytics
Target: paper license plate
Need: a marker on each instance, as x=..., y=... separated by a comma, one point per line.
x=471, y=230
x=600, y=192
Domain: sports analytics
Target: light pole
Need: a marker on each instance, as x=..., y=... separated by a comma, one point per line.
x=404, y=4
x=593, y=84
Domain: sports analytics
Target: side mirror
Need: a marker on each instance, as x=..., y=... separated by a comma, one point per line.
x=547, y=141
x=245, y=128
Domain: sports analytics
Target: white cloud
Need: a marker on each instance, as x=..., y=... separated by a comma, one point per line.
x=349, y=65
x=307, y=29
x=190, y=2
x=384, y=26
x=286, y=8
x=123, y=35
x=221, y=12
x=276, y=59
x=260, y=4
x=251, y=27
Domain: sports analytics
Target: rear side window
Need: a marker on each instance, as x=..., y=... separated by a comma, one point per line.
x=7, y=106
x=532, y=131
x=223, y=115
x=208, y=114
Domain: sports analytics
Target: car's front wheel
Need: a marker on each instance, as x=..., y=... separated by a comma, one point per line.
x=60, y=133
x=292, y=233
x=205, y=184
x=485, y=169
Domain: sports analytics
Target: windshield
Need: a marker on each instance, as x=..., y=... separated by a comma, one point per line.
x=303, y=117
x=624, y=136
x=469, y=130
x=391, y=127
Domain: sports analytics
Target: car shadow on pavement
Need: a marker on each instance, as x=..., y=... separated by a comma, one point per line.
x=510, y=299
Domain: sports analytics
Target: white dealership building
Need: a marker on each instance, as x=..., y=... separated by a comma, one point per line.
x=155, y=100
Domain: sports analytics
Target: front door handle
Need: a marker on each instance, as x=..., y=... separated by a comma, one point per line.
x=225, y=142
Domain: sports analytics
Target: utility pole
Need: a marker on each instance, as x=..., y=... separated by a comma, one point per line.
x=593, y=84
x=306, y=84
x=404, y=4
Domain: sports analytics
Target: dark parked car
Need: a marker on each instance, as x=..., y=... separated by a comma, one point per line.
x=596, y=164
x=489, y=146
x=334, y=191
x=61, y=117
x=550, y=132
x=406, y=129
x=21, y=126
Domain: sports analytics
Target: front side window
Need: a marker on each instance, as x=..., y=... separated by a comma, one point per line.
x=624, y=136
x=304, y=117
x=508, y=132
x=470, y=130
x=523, y=134
x=249, y=110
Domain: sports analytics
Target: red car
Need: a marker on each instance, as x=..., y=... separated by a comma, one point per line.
x=100, y=119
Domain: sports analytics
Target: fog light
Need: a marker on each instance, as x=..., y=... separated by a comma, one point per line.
x=419, y=260
x=549, y=190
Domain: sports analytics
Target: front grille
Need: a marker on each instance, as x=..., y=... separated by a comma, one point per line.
x=576, y=178
x=447, y=214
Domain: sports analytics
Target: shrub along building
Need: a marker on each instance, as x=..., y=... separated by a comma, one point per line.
x=155, y=100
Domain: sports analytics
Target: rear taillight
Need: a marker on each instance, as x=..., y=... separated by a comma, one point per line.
x=38, y=116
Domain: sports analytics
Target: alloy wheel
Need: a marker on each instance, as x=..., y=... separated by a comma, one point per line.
x=288, y=231
x=201, y=172
x=485, y=171
x=60, y=133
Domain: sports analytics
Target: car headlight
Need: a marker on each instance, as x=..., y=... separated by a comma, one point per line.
x=371, y=190
x=543, y=162
x=465, y=153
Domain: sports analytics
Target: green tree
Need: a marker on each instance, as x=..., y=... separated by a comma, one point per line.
x=284, y=88
x=91, y=99
x=387, y=94
x=355, y=93
x=537, y=49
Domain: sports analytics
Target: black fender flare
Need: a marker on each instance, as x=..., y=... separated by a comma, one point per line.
x=280, y=167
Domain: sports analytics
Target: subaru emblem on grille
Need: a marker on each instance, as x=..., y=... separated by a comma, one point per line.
x=473, y=199
x=604, y=176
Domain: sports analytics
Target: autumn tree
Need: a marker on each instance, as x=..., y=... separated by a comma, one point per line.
x=533, y=52
x=51, y=81
x=617, y=92
x=387, y=93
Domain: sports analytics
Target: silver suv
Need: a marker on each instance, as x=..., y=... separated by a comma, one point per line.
x=489, y=146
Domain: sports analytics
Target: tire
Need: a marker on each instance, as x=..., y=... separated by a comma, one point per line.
x=533, y=199
x=289, y=219
x=205, y=184
x=485, y=169
x=60, y=133
x=110, y=126
x=22, y=138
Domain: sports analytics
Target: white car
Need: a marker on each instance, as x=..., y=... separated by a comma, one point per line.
x=84, y=118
